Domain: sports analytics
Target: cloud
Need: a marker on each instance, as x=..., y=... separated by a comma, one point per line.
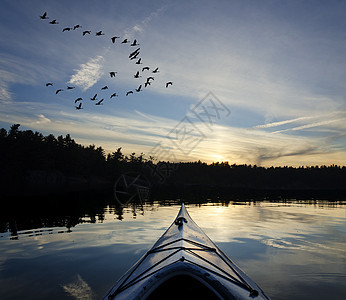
x=139, y=27
x=334, y=120
x=42, y=119
x=79, y=289
x=306, y=126
x=274, y=124
x=5, y=94
x=88, y=74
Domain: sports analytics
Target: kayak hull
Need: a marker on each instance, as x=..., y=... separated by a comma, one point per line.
x=184, y=260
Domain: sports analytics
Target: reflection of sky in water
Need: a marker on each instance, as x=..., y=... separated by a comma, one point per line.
x=279, y=245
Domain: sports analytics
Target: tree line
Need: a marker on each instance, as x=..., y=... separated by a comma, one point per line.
x=28, y=158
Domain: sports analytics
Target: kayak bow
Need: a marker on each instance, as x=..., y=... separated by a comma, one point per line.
x=184, y=262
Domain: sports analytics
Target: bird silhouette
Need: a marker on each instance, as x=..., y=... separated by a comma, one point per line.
x=114, y=95
x=128, y=93
x=78, y=99
x=125, y=41
x=145, y=68
x=168, y=83
x=156, y=70
x=139, y=61
x=146, y=84
x=76, y=26
x=150, y=78
x=86, y=32
x=136, y=52
x=139, y=88
x=99, y=33
x=66, y=29
x=93, y=98
x=114, y=38
x=112, y=74
x=49, y=84
x=53, y=22
x=134, y=43
x=105, y=88
x=58, y=91
x=70, y=87
x=44, y=16
x=99, y=103
x=137, y=75
x=134, y=56
x=79, y=106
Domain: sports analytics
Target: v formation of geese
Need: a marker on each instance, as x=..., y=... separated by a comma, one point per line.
x=134, y=56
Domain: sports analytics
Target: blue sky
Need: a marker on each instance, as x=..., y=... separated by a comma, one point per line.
x=255, y=82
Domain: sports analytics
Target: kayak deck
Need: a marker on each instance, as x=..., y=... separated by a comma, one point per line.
x=184, y=260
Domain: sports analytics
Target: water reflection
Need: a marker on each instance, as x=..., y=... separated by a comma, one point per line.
x=79, y=289
x=292, y=249
x=94, y=209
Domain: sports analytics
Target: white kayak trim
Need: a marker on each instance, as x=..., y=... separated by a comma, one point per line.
x=184, y=249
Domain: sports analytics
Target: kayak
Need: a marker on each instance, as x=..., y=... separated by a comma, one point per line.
x=185, y=264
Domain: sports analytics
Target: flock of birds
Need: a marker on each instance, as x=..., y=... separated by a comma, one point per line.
x=134, y=56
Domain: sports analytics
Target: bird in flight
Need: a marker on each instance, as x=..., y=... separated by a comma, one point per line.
x=114, y=38
x=76, y=26
x=86, y=32
x=125, y=41
x=134, y=56
x=137, y=75
x=79, y=106
x=148, y=81
x=136, y=52
x=49, y=84
x=128, y=93
x=70, y=87
x=134, y=43
x=44, y=16
x=168, y=83
x=112, y=74
x=138, y=62
x=156, y=70
x=99, y=103
x=66, y=29
x=78, y=99
x=53, y=22
x=145, y=68
x=58, y=91
x=99, y=33
x=139, y=88
x=105, y=88
x=114, y=95
x=94, y=98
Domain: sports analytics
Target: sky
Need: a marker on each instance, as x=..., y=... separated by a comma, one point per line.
x=253, y=82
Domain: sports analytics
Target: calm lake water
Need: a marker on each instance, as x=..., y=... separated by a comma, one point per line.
x=292, y=250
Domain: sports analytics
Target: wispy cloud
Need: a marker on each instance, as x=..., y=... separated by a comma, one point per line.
x=5, y=94
x=15, y=70
x=42, y=119
x=88, y=74
x=263, y=148
x=335, y=119
x=79, y=289
x=274, y=124
x=140, y=26
x=316, y=124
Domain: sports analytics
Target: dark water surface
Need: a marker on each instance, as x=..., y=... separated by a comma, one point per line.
x=292, y=250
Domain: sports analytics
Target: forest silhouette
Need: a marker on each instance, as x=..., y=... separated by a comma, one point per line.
x=31, y=163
